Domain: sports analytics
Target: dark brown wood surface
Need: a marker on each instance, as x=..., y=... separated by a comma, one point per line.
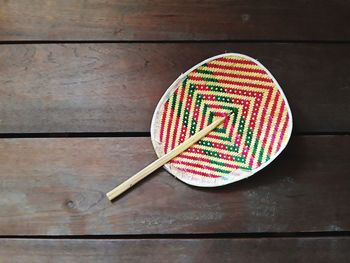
x=116, y=87
x=174, y=20
x=178, y=250
x=58, y=186
x=96, y=69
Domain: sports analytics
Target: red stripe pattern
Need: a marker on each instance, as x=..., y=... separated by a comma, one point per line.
x=258, y=128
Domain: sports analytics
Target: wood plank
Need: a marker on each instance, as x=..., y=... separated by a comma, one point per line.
x=58, y=186
x=332, y=249
x=115, y=87
x=174, y=20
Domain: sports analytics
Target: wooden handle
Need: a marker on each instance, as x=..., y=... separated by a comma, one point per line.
x=161, y=161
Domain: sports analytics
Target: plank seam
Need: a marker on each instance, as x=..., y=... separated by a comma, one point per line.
x=266, y=41
x=127, y=134
x=253, y=235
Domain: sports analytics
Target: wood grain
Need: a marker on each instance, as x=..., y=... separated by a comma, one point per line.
x=177, y=250
x=58, y=186
x=52, y=191
x=174, y=20
x=116, y=87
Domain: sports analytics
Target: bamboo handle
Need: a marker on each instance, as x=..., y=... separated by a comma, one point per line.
x=161, y=161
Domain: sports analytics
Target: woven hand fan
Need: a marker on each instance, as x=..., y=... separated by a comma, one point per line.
x=252, y=137
x=221, y=121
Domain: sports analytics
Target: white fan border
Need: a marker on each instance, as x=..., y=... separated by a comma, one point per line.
x=238, y=174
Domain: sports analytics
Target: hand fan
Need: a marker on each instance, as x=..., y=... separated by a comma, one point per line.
x=221, y=121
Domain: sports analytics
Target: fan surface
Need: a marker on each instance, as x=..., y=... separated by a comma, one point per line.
x=254, y=135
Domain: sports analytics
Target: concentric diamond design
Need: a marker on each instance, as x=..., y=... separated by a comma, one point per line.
x=254, y=133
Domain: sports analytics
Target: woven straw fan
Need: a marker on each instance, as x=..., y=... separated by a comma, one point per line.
x=221, y=121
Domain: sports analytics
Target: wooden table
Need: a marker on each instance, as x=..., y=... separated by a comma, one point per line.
x=79, y=84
